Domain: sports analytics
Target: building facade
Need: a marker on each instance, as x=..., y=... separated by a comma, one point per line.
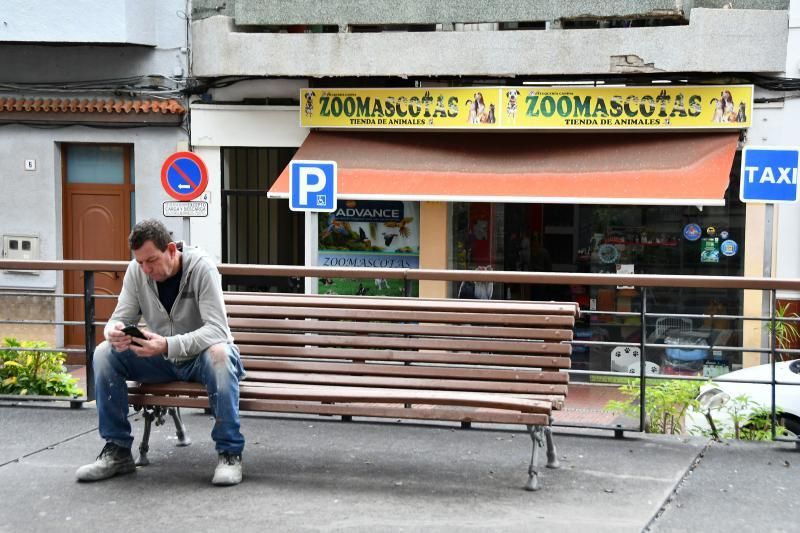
x=249, y=66
x=256, y=57
x=91, y=103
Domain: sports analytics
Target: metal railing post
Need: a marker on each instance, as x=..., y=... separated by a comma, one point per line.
x=772, y=342
x=642, y=362
x=89, y=330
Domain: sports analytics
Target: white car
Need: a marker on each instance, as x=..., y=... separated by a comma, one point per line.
x=720, y=394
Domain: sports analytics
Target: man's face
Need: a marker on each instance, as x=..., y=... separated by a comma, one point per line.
x=157, y=265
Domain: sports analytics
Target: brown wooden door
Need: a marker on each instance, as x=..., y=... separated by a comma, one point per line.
x=96, y=227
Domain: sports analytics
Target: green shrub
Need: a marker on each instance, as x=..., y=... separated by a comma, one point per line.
x=667, y=402
x=33, y=372
x=750, y=420
x=759, y=425
x=669, y=399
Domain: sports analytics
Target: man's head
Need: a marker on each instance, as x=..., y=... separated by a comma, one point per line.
x=154, y=250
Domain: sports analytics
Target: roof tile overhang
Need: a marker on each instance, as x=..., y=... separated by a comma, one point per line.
x=588, y=168
x=91, y=110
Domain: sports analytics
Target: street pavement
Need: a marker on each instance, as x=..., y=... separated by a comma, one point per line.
x=323, y=474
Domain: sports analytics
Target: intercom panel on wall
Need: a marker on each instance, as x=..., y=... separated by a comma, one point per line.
x=21, y=248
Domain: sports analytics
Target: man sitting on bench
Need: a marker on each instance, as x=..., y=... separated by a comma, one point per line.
x=178, y=292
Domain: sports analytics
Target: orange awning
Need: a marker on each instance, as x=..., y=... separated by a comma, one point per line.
x=577, y=168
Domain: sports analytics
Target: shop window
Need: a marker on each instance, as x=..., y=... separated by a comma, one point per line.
x=673, y=240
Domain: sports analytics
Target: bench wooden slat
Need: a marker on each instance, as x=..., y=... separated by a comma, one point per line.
x=556, y=400
x=549, y=392
x=416, y=343
x=400, y=396
x=360, y=395
x=414, y=413
x=377, y=369
x=414, y=304
x=401, y=328
x=555, y=361
x=271, y=310
x=406, y=383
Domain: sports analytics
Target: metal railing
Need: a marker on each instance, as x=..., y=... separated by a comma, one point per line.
x=642, y=284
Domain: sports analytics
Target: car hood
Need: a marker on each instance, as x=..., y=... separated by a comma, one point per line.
x=787, y=371
x=787, y=397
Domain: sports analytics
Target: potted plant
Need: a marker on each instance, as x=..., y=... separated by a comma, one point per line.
x=786, y=333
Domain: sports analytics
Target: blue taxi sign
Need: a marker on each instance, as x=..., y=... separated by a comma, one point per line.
x=769, y=174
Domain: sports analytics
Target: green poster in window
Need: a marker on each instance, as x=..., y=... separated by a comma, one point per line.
x=369, y=234
x=709, y=250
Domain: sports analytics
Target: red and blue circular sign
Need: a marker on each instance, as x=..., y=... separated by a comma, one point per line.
x=692, y=232
x=184, y=176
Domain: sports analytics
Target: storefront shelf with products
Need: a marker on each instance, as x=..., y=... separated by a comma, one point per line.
x=669, y=244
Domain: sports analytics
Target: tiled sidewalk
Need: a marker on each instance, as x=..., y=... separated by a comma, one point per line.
x=585, y=404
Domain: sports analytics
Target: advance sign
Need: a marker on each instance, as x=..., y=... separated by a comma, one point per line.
x=184, y=176
x=769, y=174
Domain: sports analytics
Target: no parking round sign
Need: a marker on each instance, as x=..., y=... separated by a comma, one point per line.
x=184, y=176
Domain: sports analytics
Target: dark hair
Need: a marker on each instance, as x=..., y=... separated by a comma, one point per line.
x=149, y=229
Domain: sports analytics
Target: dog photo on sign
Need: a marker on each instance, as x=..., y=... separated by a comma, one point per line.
x=511, y=105
x=309, y=107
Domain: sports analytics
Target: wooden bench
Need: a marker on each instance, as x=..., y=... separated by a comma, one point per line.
x=424, y=359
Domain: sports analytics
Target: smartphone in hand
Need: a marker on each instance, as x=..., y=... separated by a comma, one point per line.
x=134, y=332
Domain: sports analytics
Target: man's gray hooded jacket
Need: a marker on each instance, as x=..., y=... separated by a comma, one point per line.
x=197, y=319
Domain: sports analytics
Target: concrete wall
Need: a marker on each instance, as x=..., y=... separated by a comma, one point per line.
x=166, y=55
x=707, y=44
x=81, y=21
x=285, y=12
x=28, y=308
x=344, y=12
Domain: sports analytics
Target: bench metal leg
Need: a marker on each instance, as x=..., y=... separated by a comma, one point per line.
x=156, y=415
x=180, y=429
x=144, y=446
x=533, y=469
x=552, y=455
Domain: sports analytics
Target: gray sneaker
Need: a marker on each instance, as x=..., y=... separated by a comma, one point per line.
x=113, y=460
x=229, y=469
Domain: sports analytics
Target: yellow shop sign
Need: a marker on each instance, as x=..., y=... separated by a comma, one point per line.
x=673, y=107
x=473, y=107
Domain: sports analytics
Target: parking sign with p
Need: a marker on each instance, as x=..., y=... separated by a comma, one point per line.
x=312, y=186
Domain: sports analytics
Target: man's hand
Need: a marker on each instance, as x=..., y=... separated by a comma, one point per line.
x=154, y=345
x=117, y=338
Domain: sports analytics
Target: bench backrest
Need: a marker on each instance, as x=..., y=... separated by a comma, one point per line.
x=515, y=348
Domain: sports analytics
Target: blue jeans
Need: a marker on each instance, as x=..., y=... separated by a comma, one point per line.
x=220, y=374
